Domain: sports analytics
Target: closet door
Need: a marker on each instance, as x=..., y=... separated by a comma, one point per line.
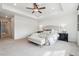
x=78, y=29
x=3, y=29
x=78, y=23
x=6, y=29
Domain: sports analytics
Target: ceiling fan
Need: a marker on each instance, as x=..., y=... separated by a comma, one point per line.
x=36, y=8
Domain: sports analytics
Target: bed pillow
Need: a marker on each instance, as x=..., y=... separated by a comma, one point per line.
x=44, y=34
x=34, y=35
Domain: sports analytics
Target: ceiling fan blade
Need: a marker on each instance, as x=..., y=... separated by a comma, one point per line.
x=39, y=11
x=29, y=8
x=35, y=5
x=42, y=7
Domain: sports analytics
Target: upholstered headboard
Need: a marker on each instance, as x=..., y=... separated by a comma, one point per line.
x=50, y=27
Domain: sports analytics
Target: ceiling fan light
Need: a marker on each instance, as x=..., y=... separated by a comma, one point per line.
x=35, y=9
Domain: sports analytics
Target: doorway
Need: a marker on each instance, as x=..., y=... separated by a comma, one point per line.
x=6, y=28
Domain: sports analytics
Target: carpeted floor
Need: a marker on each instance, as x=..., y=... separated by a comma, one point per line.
x=24, y=48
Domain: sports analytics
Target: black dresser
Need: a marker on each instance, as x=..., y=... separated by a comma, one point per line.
x=63, y=36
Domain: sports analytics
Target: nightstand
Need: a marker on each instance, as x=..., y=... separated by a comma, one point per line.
x=39, y=31
x=63, y=36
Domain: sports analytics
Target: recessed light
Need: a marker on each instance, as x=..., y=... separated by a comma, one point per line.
x=14, y=4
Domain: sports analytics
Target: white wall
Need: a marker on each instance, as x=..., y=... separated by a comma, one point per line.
x=23, y=26
x=69, y=19
x=78, y=38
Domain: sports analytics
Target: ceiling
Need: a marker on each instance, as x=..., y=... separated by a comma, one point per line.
x=10, y=9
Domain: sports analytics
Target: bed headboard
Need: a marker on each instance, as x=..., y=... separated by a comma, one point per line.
x=50, y=27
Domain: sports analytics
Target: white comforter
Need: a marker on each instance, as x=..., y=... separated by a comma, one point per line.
x=52, y=38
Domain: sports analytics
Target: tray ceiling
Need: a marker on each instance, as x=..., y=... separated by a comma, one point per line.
x=51, y=8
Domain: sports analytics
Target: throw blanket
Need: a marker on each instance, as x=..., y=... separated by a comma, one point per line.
x=52, y=38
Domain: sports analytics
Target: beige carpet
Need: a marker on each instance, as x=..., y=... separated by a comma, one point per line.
x=24, y=48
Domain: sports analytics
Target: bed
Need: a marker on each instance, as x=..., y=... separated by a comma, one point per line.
x=58, y=47
x=49, y=35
